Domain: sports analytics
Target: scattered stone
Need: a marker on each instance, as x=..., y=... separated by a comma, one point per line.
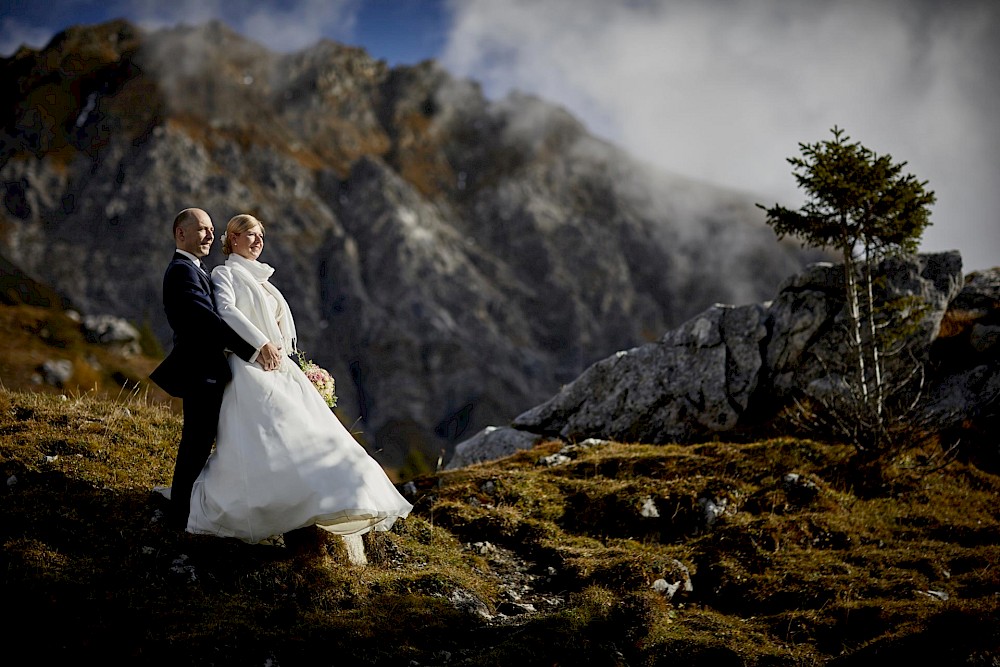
x=667, y=589
x=937, y=595
x=649, y=509
x=713, y=509
x=515, y=608
x=511, y=594
x=573, y=449
x=799, y=489
x=554, y=460
x=681, y=570
x=588, y=443
x=676, y=579
x=470, y=604
x=57, y=372
x=482, y=548
x=491, y=443
x=181, y=568
x=111, y=331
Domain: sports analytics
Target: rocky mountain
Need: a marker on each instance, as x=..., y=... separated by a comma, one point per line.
x=453, y=260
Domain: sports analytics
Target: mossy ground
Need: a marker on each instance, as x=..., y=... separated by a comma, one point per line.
x=786, y=575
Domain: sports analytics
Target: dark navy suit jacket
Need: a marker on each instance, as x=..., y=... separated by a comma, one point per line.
x=197, y=361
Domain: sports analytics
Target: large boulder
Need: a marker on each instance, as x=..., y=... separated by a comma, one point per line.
x=695, y=380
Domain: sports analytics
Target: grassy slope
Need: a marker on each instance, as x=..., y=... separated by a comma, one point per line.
x=780, y=579
x=33, y=335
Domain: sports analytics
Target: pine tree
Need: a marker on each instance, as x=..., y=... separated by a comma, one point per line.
x=863, y=206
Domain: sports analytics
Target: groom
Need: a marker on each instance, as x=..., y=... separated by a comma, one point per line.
x=196, y=370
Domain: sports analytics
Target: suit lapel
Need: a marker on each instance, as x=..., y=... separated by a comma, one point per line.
x=206, y=281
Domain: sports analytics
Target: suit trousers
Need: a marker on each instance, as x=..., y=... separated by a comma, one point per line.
x=201, y=424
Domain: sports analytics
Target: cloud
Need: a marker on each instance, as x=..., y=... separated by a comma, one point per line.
x=300, y=24
x=725, y=91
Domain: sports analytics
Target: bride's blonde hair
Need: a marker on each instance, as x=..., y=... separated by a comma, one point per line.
x=237, y=225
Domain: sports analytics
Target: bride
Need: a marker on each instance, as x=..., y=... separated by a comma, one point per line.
x=282, y=459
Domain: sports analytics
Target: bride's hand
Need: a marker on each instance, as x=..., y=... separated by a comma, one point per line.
x=269, y=357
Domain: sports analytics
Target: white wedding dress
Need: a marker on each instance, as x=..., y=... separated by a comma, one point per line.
x=282, y=458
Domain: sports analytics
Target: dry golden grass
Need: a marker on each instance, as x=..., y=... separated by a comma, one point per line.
x=34, y=335
x=837, y=572
x=781, y=578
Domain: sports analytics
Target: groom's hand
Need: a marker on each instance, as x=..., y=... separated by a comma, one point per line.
x=269, y=357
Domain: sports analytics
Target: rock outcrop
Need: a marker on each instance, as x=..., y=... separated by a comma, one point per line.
x=696, y=379
x=735, y=367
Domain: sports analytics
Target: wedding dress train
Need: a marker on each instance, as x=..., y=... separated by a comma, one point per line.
x=283, y=461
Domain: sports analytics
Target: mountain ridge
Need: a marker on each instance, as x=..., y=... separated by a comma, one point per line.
x=452, y=259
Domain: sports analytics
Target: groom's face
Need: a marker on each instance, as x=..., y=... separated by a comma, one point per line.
x=196, y=236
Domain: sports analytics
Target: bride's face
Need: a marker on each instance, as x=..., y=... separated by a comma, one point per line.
x=248, y=244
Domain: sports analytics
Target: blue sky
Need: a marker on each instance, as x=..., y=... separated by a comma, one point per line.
x=719, y=90
x=398, y=31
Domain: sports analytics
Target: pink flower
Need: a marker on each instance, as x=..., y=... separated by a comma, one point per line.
x=320, y=378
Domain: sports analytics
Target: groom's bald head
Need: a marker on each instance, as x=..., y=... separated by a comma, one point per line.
x=189, y=217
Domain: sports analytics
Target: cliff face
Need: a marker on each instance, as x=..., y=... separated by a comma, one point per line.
x=451, y=259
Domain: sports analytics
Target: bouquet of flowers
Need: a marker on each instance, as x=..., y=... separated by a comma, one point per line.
x=320, y=378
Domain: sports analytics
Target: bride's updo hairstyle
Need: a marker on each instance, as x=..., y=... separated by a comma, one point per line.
x=237, y=225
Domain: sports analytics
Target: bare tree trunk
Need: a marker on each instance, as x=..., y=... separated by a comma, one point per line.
x=853, y=307
x=874, y=342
